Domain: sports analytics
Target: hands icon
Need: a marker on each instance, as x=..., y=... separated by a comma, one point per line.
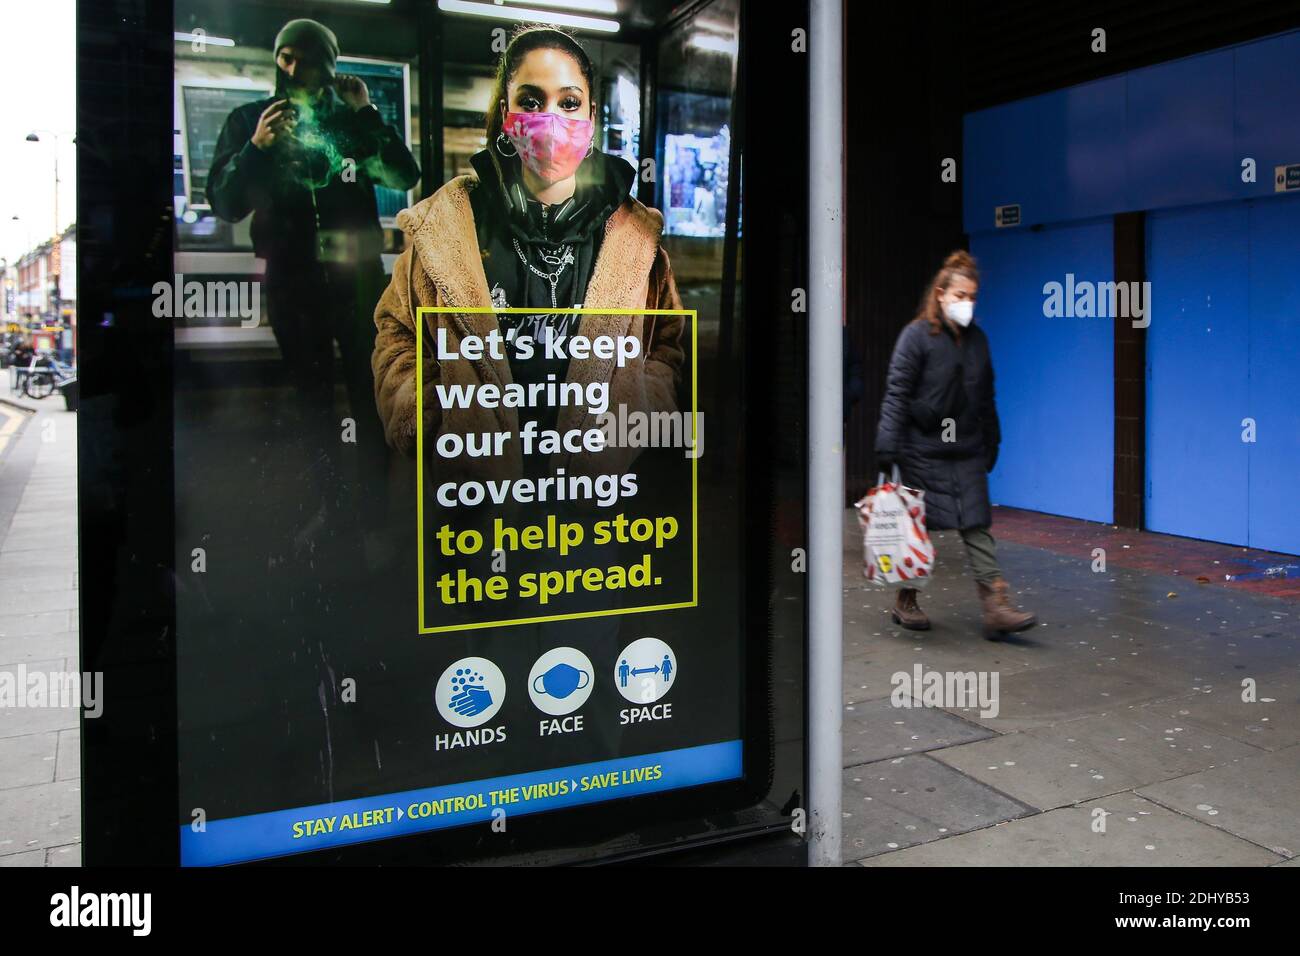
x=469, y=694
x=471, y=700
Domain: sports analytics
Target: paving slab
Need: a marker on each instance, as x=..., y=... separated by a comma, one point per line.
x=876, y=730
x=1255, y=799
x=38, y=601
x=48, y=814
x=45, y=516
x=1200, y=658
x=68, y=855
x=17, y=602
x=956, y=640
x=956, y=643
x=68, y=765
x=27, y=858
x=39, y=542
x=26, y=583
x=868, y=672
x=910, y=800
x=1284, y=620
x=1049, y=695
x=1078, y=760
x=1138, y=833
x=34, y=563
x=19, y=721
x=1270, y=722
x=1215, y=611
x=25, y=625
x=35, y=647
x=45, y=510
x=1133, y=599
x=27, y=760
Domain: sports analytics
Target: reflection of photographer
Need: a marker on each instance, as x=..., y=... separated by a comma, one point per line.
x=546, y=222
x=305, y=163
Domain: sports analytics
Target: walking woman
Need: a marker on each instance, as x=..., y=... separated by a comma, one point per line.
x=939, y=424
x=545, y=221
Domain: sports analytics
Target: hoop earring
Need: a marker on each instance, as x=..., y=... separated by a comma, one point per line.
x=501, y=138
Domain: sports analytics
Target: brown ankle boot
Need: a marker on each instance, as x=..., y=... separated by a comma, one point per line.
x=907, y=613
x=1000, y=617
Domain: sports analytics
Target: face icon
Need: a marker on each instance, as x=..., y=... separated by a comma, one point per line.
x=560, y=681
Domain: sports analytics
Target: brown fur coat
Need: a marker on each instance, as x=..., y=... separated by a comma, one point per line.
x=442, y=266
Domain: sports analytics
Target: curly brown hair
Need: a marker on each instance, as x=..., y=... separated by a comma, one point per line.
x=958, y=263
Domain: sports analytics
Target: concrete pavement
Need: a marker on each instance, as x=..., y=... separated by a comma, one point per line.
x=40, y=754
x=1150, y=719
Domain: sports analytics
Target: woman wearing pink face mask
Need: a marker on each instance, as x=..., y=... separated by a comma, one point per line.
x=546, y=221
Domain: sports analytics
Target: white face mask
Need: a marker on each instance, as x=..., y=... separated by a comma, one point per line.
x=960, y=312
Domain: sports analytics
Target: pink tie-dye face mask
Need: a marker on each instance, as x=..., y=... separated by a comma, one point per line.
x=552, y=146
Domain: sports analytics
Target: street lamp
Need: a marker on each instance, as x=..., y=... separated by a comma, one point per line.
x=57, y=248
x=32, y=137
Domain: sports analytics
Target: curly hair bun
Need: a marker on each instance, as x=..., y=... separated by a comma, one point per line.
x=960, y=261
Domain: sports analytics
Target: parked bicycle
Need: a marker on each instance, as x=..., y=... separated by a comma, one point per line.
x=43, y=375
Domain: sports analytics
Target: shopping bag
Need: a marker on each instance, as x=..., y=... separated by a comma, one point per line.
x=896, y=549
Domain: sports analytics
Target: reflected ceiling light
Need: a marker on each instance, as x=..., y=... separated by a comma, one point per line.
x=591, y=6
x=713, y=43
x=529, y=15
x=724, y=27
x=203, y=38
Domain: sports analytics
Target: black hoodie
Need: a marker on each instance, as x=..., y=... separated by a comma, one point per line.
x=298, y=191
x=506, y=214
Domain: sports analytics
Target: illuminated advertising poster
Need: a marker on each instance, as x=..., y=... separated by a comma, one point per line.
x=455, y=545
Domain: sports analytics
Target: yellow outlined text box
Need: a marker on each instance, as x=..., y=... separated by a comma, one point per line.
x=420, y=312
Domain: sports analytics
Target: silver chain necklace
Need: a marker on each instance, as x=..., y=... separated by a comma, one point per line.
x=563, y=257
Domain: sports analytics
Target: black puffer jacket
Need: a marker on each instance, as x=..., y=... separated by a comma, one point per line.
x=933, y=378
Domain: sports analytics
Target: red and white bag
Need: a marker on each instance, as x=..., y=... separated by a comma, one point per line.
x=897, y=550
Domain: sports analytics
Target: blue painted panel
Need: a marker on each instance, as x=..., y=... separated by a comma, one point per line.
x=1267, y=120
x=1169, y=135
x=1000, y=166
x=1274, y=390
x=1054, y=375
x=1057, y=155
x=1180, y=127
x=1197, y=362
x=1095, y=169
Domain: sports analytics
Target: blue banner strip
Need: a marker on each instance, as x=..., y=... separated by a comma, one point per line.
x=283, y=832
